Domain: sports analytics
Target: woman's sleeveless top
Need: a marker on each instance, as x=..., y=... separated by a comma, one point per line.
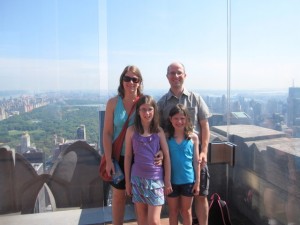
x=120, y=116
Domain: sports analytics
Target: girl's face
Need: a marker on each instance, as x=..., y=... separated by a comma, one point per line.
x=146, y=112
x=178, y=121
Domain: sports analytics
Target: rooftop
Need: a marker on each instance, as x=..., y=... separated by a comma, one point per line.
x=78, y=196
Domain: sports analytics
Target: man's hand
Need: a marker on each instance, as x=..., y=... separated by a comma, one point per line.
x=158, y=160
x=202, y=160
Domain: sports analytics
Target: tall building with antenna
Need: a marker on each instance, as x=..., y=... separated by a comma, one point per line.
x=293, y=119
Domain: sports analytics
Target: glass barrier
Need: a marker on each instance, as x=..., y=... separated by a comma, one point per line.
x=264, y=110
x=60, y=62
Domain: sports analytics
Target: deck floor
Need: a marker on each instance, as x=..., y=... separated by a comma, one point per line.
x=164, y=221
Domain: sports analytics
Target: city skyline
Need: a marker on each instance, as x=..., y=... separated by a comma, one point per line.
x=76, y=45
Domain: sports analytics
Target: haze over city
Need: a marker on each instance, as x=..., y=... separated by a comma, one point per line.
x=84, y=45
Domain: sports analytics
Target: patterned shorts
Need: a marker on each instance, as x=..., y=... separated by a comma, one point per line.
x=150, y=192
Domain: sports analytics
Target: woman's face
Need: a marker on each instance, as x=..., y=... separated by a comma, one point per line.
x=146, y=112
x=178, y=121
x=131, y=82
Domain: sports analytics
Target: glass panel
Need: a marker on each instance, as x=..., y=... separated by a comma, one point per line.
x=151, y=36
x=264, y=110
x=49, y=105
x=61, y=60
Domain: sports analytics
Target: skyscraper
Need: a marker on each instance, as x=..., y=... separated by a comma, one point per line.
x=101, y=115
x=2, y=113
x=81, y=134
x=294, y=110
x=25, y=142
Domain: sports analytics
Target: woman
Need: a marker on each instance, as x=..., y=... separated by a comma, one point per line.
x=117, y=110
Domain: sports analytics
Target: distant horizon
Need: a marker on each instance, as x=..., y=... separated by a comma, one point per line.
x=8, y=93
x=147, y=89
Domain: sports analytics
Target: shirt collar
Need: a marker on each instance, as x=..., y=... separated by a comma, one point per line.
x=170, y=93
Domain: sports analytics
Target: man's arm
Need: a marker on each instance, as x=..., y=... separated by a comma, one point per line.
x=205, y=135
x=160, y=106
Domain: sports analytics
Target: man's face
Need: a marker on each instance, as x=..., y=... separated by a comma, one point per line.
x=176, y=75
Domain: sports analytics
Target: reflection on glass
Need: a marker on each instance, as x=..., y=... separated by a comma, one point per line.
x=59, y=63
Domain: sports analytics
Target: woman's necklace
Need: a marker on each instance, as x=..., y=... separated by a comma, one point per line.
x=130, y=98
x=128, y=103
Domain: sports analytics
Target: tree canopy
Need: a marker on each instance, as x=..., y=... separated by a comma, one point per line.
x=45, y=122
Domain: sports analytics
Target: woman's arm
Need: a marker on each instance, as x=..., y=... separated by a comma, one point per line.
x=108, y=131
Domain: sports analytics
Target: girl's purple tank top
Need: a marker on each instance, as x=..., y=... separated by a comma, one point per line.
x=144, y=150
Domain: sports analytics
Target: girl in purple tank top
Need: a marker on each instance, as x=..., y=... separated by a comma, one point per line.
x=146, y=182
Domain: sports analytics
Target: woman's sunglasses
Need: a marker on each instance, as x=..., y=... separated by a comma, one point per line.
x=133, y=79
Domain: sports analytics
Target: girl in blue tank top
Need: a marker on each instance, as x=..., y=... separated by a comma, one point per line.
x=185, y=168
x=147, y=182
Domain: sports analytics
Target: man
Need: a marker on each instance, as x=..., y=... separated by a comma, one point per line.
x=199, y=114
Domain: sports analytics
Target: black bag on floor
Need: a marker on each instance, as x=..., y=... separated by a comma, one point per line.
x=218, y=211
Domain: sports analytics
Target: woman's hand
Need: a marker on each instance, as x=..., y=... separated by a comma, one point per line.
x=128, y=189
x=110, y=169
x=158, y=160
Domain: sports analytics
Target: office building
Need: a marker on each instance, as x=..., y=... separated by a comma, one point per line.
x=293, y=119
x=81, y=134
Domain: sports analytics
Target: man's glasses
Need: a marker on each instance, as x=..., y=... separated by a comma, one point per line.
x=133, y=79
x=178, y=73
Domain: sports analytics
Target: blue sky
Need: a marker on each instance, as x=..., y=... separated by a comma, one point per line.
x=77, y=44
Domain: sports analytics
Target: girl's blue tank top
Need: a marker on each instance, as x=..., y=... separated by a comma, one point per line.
x=182, y=156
